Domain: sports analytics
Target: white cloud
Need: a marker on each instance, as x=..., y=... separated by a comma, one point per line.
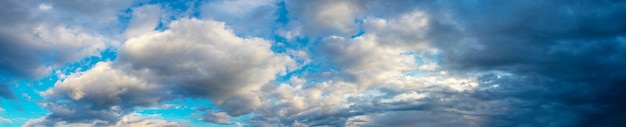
x=366, y=61
x=70, y=44
x=405, y=97
x=325, y=17
x=44, y=7
x=107, y=85
x=207, y=61
x=381, y=54
x=428, y=67
x=144, y=20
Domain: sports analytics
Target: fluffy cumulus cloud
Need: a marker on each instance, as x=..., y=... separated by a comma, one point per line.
x=101, y=93
x=322, y=63
x=207, y=61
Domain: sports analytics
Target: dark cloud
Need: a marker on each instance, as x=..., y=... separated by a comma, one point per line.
x=537, y=63
x=17, y=58
x=567, y=54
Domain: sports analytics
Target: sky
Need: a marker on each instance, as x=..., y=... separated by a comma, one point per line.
x=268, y=63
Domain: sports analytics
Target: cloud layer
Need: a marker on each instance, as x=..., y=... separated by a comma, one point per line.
x=324, y=63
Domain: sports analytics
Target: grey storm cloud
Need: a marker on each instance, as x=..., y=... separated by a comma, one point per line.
x=568, y=55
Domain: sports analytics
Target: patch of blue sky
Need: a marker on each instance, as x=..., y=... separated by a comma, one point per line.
x=109, y=54
x=282, y=44
x=282, y=13
x=124, y=18
x=361, y=31
x=23, y=107
x=178, y=9
x=242, y=119
x=179, y=112
x=294, y=73
x=301, y=43
x=282, y=19
x=421, y=60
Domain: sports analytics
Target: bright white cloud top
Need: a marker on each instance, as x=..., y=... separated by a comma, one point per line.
x=312, y=63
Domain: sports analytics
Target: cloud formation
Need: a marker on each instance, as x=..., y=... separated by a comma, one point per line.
x=560, y=48
x=207, y=62
x=35, y=40
x=325, y=63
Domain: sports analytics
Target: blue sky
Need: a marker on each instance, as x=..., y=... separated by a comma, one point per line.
x=312, y=63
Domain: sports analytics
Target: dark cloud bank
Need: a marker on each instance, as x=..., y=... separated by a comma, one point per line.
x=568, y=57
x=564, y=61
